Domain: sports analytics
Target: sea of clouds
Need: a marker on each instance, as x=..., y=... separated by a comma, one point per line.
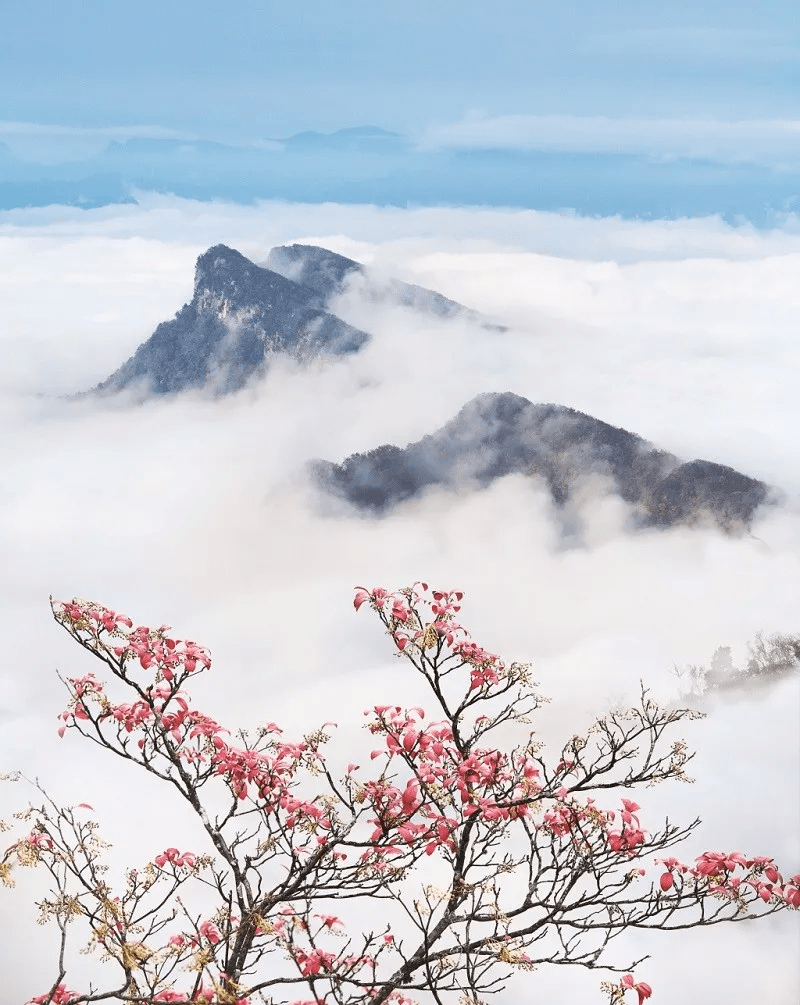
x=199, y=512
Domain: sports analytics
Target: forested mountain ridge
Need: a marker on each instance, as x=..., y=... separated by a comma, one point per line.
x=499, y=434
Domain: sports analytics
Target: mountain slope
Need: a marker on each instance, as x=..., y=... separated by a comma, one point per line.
x=240, y=316
x=326, y=272
x=499, y=434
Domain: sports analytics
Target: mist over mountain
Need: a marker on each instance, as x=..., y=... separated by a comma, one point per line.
x=499, y=434
x=327, y=273
x=242, y=315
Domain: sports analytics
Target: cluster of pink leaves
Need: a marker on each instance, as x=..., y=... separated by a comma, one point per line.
x=761, y=875
x=152, y=647
x=473, y=780
x=197, y=738
x=61, y=995
x=630, y=835
x=485, y=667
x=628, y=983
x=174, y=857
x=437, y=761
x=444, y=605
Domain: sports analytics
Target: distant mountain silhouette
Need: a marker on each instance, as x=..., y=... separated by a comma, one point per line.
x=239, y=317
x=499, y=434
x=326, y=272
x=366, y=139
x=367, y=164
x=243, y=314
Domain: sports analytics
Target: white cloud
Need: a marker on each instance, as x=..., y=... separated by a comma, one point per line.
x=772, y=143
x=197, y=512
x=256, y=228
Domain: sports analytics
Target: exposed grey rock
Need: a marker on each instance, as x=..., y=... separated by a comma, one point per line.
x=499, y=434
x=317, y=268
x=239, y=317
x=326, y=272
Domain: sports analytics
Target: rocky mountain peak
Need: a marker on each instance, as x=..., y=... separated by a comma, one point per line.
x=241, y=315
x=219, y=266
x=319, y=269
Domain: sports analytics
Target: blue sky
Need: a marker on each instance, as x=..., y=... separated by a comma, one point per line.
x=246, y=69
x=624, y=78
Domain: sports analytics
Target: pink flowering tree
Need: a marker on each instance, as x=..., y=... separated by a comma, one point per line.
x=483, y=860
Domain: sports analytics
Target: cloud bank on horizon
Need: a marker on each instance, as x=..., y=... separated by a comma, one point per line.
x=199, y=512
